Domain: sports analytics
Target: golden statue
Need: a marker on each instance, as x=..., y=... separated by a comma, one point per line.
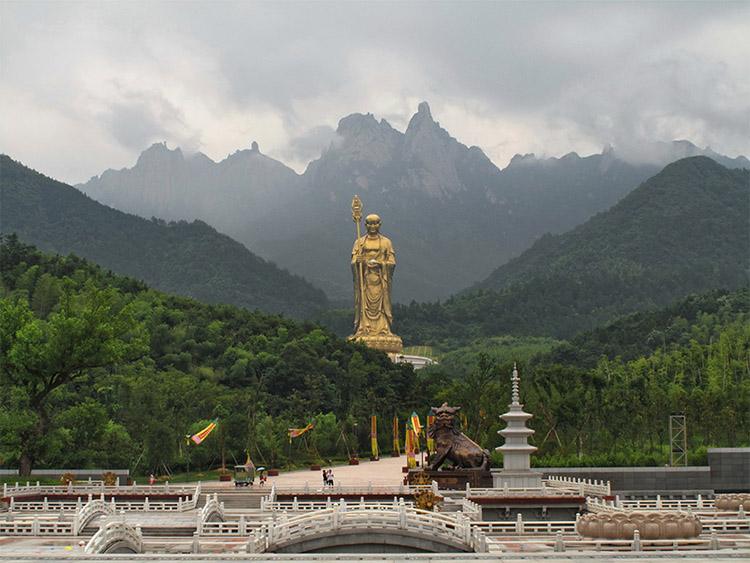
x=373, y=263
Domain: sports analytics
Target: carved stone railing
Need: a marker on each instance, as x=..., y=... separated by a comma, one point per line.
x=91, y=510
x=116, y=537
x=93, y=487
x=212, y=511
x=296, y=505
x=696, y=504
x=583, y=487
x=189, y=502
x=519, y=526
x=36, y=527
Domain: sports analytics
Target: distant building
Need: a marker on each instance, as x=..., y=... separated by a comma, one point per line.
x=417, y=361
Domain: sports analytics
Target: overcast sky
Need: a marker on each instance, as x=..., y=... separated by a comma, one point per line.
x=88, y=86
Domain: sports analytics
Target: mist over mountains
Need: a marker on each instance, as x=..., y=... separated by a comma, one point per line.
x=453, y=215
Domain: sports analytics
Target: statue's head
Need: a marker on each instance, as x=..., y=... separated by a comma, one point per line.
x=372, y=224
x=445, y=416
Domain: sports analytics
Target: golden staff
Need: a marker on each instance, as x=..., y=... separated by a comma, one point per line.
x=357, y=217
x=357, y=213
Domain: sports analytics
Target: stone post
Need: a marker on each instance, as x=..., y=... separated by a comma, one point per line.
x=559, y=543
x=196, y=546
x=242, y=525
x=714, y=542
x=519, y=523
x=636, y=541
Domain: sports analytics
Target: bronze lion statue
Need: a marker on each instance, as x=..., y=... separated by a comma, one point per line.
x=452, y=445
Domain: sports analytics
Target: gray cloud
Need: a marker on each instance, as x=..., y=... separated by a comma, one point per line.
x=86, y=84
x=309, y=145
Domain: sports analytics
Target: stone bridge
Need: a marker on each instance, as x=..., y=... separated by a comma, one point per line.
x=341, y=529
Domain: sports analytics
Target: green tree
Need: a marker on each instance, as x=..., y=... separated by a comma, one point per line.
x=92, y=329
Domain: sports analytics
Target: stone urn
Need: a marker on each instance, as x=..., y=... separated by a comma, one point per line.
x=733, y=501
x=650, y=525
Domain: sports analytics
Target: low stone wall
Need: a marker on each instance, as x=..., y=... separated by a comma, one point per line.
x=80, y=474
x=642, y=479
x=728, y=470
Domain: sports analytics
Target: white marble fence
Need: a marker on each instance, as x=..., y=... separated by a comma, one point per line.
x=674, y=547
x=584, y=487
x=338, y=490
x=188, y=502
x=94, y=487
x=296, y=505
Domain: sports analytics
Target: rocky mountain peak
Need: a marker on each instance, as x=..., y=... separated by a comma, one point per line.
x=159, y=153
x=422, y=119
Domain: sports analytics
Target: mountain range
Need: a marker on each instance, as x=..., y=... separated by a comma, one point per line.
x=188, y=258
x=683, y=231
x=452, y=214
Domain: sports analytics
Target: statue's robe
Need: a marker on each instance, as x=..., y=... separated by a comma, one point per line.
x=373, y=314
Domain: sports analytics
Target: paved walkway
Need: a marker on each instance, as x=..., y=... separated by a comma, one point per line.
x=387, y=471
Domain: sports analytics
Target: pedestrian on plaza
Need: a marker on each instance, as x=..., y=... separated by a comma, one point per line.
x=325, y=477
x=151, y=479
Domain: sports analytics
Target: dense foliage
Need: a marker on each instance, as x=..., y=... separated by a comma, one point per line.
x=590, y=409
x=683, y=231
x=99, y=370
x=143, y=369
x=189, y=259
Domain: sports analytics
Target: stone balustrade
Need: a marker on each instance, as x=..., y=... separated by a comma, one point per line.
x=522, y=527
x=116, y=537
x=584, y=487
x=95, y=487
x=296, y=505
x=189, y=502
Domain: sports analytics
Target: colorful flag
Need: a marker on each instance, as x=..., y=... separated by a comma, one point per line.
x=297, y=432
x=430, y=441
x=203, y=434
x=374, y=436
x=415, y=424
x=396, y=442
x=411, y=460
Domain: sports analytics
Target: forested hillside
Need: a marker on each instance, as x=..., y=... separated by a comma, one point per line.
x=97, y=368
x=190, y=259
x=590, y=409
x=683, y=231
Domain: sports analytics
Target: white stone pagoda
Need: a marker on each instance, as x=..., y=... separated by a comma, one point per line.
x=516, y=472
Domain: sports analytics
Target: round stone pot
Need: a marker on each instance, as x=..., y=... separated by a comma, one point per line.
x=354, y=461
x=315, y=468
x=651, y=525
x=227, y=477
x=273, y=472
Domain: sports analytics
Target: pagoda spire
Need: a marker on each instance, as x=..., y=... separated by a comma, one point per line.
x=516, y=450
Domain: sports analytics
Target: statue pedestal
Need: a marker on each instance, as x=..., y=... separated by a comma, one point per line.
x=517, y=479
x=390, y=344
x=455, y=479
